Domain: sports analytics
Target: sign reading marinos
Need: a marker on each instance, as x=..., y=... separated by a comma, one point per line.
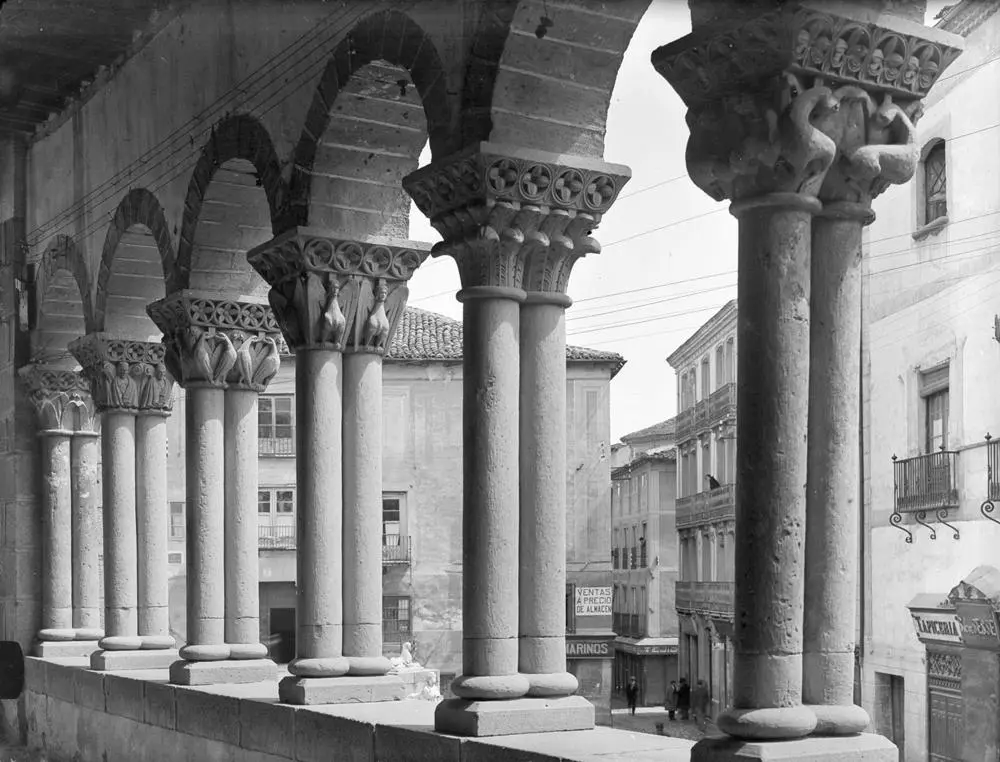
x=593, y=601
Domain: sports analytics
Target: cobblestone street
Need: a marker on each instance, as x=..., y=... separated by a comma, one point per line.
x=646, y=719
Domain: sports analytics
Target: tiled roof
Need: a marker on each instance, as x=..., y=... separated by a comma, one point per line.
x=667, y=455
x=662, y=429
x=424, y=335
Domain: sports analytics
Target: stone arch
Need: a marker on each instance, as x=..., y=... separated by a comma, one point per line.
x=381, y=97
x=138, y=227
x=550, y=93
x=241, y=148
x=62, y=296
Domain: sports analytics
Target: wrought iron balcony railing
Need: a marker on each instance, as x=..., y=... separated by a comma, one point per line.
x=629, y=625
x=706, y=507
x=708, y=598
x=276, y=537
x=395, y=549
x=722, y=404
x=926, y=482
x=634, y=557
x=614, y=558
x=394, y=629
x=992, y=475
x=283, y=447
x=643, y=561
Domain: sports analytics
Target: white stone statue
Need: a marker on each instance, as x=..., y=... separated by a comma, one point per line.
x=405, y=661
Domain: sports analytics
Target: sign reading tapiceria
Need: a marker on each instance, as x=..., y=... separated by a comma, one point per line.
x=937, y=626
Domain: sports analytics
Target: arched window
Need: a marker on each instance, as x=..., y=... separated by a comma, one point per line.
x=935, y=183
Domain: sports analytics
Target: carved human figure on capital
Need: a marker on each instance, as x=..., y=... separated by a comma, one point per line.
x=120, y=388
x=157, y=388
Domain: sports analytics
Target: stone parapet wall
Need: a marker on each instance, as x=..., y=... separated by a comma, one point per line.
x=79, y=715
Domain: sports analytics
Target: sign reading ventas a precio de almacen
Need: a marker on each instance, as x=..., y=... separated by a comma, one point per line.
x=593, y=601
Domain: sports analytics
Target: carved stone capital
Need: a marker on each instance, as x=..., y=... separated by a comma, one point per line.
x=60, y=397
x=782, y=99
x=509, y=214
x=125, y=374
x=213, y=341
x=334, y=293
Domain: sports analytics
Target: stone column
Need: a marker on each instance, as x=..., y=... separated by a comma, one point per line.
x=877, y=149
x=768, y=142
x=87, y=534
x=55, y=395
x=218, y=351
x=497, y=208
x=330, y=295
x=122, y=374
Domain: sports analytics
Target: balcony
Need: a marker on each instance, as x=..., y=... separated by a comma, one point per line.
x=691, y=420
x=395, y=549
x=276, y=537
x=643, y=560
x=707, y=507
x=722, y=404
x=926, y=482
x=714, y=599
x=634, y=557
x=993, y=469
x=280, y=447
x=629, y=625
x=614, y=558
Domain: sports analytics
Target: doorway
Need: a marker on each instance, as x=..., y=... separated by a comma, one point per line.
x=282, y=640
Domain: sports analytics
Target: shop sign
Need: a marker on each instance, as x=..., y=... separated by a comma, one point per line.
x=655, y=650
x=979, y=624
x=589, y=648
x=937, y=627
x=593, y=601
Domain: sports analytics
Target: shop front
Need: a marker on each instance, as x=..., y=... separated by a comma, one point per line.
x=590, y=645
x=961, y=632
x=653, y=663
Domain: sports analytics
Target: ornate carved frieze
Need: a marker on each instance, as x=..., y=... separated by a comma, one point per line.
x=218, y=342
x=509, y=214
x=941, y=664
x=125, y=374
x=802, y=99
x=334, y=293
x=60, y=397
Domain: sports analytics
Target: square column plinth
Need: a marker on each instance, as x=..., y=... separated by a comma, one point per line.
x=227, y=671
x=514, y=716
x=864, y=747
x=114, y=661
x=308, y=691
x=66, y=649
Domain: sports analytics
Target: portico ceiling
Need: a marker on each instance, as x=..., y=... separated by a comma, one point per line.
x=50, y=50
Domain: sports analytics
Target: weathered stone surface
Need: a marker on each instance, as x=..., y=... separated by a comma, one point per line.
x=341, y=690
x=267, y=727
x=208, y=715
x=65, y=649
x=860, y=748
x=89, y=689
x=320, y=737
x=515, y=716
x=116, y=661
x=160, y=705
x=123, y=696
x=226, y=671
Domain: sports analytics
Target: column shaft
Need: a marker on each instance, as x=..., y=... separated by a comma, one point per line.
x=120, y=590
x=87, y=539
x=57, y=539
x=319, y=519
x=153, y=526
x=834, y=467
x=542, y=573
x=242, y=627
x=490, y=501
x=362, y=426
x=205, y=525
x=773, y=373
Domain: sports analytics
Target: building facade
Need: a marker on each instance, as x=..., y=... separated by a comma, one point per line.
x=706, y=474
x=930, y=415
x=644, y=559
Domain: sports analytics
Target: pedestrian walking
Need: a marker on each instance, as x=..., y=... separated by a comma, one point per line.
x=700, y=701
x=632, y=693
x=672, y=700
x=683, y=698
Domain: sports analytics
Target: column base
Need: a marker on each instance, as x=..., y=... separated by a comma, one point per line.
x=65, y=649
x=230, y=671
x=340, y=690
x=514, y=716
x=113, y=661
x=865, y=747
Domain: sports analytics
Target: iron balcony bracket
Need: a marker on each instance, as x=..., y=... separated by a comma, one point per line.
x=920, y=518
x=896, y=519
x=987, y=509
x=942, y=514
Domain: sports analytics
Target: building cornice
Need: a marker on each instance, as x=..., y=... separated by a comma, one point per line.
x=704, y=337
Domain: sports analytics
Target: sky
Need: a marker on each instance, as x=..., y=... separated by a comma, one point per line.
x=668, y=259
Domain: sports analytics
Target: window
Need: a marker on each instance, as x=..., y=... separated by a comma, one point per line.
x=934, y=391
x=720, y=366
x=731, y=360
x=175, y=559
x=571, y=607
x=706, y=463
x=935, y=183
x=177, y=521
x=275, y=417
x=278, y=501
x=391, y=515
x=263, y=501
x=396, y=621
x=706, y=378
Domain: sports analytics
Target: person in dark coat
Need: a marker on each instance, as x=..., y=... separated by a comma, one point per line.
x=683, y=698
x=672, y=701
x=632, y=693
x=700, y=701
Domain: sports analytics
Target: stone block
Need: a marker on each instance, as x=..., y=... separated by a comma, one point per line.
x=208, y=715
x=60, y=682
x=123, y=696
x=230, y=671
x=66, y=649
x=35, y=674
x=159, y=705
x=340, y=690
x=864, y=747
x=267, y=727
x=502, y=718
x=90, y=690
x=416, y=745
x=320, y=737
x=123, y=661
